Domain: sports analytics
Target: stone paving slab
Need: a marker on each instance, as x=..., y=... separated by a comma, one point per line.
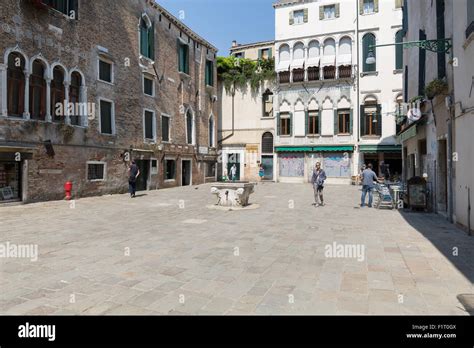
x=155, y=255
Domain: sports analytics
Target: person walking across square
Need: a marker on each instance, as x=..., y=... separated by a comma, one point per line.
x=318, y=178
x=368, y=177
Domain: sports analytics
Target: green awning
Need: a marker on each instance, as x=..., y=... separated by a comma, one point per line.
x=335, y=148
x=380, y=148
x=409, y=133
x=294, y=149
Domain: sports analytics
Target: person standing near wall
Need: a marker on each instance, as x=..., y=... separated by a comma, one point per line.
x=133, y=173
x=318, y=178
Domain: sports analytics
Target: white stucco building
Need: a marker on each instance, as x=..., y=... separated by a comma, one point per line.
x=331, y=106
x=247, y=122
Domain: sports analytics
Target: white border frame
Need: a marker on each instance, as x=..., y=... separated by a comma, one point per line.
x=114, y=131
x=104, y=172
x=145, y=139
x=112, y=70
x=144, y=76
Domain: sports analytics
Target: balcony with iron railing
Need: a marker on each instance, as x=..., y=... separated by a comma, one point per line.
x=311, y=74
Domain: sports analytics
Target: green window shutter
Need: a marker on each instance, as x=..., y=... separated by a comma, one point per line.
x=361, y=7
x=143, y=41
x=399, y=51
x=379, y=119
x=306, y=121
x=186, y=59
x=362, y=120
x=351, y=121
x=305, y=16
x=367, y=41
x=321, y=12
x=336, y=122
x=151, y=42
x=180, y=55
x=270, y=53
x=319, y=122
x=290, y=124
x=376, y=5
x=338, y=10
x=278, y=124
x=292, y=19
x=259, y=54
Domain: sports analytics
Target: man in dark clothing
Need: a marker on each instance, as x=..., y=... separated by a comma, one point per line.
x=368, y=177
x=133, y=173
x=318, y=178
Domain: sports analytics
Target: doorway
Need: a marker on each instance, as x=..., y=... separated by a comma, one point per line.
x=267, y=163
x=10, y=181
x=233, y=158
x=142, y=180
x=185, y=172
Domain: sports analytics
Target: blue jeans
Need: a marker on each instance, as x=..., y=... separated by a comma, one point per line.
x=365, y=189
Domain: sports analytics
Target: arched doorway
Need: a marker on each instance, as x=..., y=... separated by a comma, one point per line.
x=267, y=155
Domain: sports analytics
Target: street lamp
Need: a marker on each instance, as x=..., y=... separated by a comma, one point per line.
x=438, y=45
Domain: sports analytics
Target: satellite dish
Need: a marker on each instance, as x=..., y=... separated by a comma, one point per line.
x=414, y=114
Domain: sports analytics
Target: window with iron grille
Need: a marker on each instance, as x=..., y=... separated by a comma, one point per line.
x=267, y=142
x=95, y=171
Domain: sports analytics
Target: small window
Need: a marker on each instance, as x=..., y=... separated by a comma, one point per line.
x=344, y=121
x=313, y=122
x=170, y=169
x=298, y=17
x=265, y=53
x=165, y=128
x=239, y=55
x=267, y=104
x=149, y=125
x=106, y=117
x=210, y=169
x=105, y=71
x=329, y=11
x=66, y=7
x=95, y=171
x=369, y=6
x=183, y=55
x=154, y=166
x=285, y=123
x=209, y=73
x=148, y=86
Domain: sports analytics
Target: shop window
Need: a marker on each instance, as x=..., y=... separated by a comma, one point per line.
x=38, y=91
x=210, y=169
x=16, y=85
x=10, y=181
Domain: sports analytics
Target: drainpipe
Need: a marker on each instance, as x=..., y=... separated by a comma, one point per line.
x=357, y=89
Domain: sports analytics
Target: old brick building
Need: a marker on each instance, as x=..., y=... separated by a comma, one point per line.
x=134, y=83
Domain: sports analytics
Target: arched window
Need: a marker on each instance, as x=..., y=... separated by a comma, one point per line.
x=147, y=37
x=344, y=59
x=283, y=67
x=367, y=41
x=399, y=51
x=267, y=102
x=329, y=47
x=329, y=59
x=38, y=91
x=267, y=142
x=74, y=97
x=16, y=85
x=189, y=127
x=211, y=131
x=57, y=94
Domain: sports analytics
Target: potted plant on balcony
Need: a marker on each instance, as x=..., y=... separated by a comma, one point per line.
x=435, y=87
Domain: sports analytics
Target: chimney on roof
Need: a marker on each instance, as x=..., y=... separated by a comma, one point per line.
x=234, y=43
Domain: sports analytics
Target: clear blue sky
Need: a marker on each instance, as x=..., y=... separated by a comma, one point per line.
x=221, y=21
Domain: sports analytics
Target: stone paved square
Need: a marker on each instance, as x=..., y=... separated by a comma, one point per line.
x=155, y=255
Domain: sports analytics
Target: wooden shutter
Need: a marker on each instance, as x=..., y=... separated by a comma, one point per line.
x=351, y=121
x=292, y=19
x=379, y=119
x=290, y=124
x=278, y=124
x=376, y=5
x=361, y=7
x=338, y=10
x=362, y=120
x=336, y=122
x=306, y=122
x=151, y=42
x=319, y=122
x=321, y=12
x=305, y=16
